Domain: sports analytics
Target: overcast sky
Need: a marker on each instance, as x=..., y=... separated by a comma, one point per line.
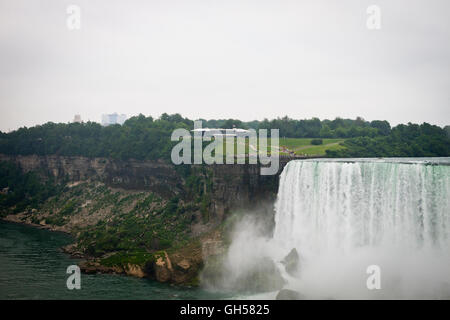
x=224, y=59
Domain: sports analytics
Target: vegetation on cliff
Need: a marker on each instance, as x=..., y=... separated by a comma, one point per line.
x=21, y=191
x=117, y=230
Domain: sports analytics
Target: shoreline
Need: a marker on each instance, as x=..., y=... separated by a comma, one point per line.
x=29, y=251
x=87, y=264
x=34, y=225
x=164, y=271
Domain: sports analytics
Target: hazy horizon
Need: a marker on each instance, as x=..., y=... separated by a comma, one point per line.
x=245, y=60
x=155, y=117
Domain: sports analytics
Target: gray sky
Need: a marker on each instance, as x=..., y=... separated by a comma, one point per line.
x=224, y=59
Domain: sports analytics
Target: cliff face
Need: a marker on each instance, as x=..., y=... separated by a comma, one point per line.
x=231, y=186
x=133, y=175
x=156, y=203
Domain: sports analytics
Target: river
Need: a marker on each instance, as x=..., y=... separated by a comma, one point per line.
x=32, y=266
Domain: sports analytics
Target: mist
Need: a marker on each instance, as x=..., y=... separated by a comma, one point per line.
x=344, y=220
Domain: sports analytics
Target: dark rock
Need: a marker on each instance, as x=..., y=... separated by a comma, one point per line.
x=291, y=262
x=262, y=276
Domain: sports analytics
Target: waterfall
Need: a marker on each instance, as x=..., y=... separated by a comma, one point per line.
x=345, y=205
x=344, y=215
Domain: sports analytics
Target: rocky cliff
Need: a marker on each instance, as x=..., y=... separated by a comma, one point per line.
x=230, y=186
x=144, y=218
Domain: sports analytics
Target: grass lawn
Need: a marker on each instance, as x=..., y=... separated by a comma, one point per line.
x=300, y=146
x=303, y=146
x=319, y=150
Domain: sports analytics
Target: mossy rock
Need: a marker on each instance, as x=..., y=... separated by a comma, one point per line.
x=124, y=258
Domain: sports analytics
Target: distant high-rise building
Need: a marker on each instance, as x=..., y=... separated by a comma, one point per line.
x=77, y=118
x=122, y=118
x=113, y=118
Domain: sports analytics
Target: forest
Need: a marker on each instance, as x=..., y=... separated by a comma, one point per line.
x=146, y=138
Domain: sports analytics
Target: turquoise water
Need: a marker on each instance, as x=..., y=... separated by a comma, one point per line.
x=33, y=267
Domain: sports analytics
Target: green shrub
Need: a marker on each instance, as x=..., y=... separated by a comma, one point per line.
x=123, y=258
x=56, y=220
x=69, y=208
x=316, y=142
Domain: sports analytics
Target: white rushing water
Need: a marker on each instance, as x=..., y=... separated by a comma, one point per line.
x=344, y=206
x=343, y=216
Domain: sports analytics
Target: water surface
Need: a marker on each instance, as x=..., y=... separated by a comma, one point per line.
x=32, y=266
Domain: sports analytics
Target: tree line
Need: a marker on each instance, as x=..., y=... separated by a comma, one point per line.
x=144, y=138
x=311, y=128
x=411, y=140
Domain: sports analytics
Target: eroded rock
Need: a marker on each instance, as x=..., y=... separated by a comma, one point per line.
x=183, y=265
x=135, y=270
x=163, y=268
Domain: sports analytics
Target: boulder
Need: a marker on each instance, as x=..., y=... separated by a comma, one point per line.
x=93, y=267
x=291, y=262
x=135, y=270
x=163, y=268
x=263, y=276
x=183, y=265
